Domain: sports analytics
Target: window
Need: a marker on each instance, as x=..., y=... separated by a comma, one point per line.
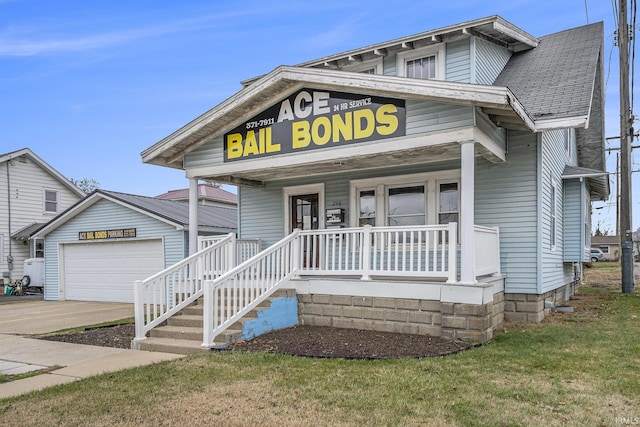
x=367, y=208
x=604, y=249
x=416, y=199
x=448, y=208
x=422, y=68
x=406, y=206
x=50, y=201
x=38, y=248
x=423, y=63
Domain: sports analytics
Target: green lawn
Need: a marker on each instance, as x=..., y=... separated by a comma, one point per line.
x=580, y=369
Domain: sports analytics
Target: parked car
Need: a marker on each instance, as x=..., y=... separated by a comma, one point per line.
x=597, y=255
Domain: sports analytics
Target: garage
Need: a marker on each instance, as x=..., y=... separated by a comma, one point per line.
x=105, y=271
x=96, y=249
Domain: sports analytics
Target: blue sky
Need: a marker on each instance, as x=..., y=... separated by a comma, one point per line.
x=89, y=85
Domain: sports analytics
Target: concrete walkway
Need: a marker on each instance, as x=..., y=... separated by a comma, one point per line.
x=60, y=362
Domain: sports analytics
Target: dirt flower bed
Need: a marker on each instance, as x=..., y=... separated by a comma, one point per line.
x=309, y=341
x=322, y=341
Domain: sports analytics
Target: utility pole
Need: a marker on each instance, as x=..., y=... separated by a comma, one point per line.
x=626, y=132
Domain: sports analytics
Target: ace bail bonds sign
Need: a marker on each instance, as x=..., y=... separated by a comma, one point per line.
x=312, y=119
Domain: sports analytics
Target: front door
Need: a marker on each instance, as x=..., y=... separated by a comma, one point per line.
x=304, y=216
x=304, y=212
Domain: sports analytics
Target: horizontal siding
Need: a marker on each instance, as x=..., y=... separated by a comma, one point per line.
x=261, y=214
x=428, y=116
x=458, y=62
x=573, y=221
x=105, y=215
x=389, y=65
x=210, y=153
x=506, y=197
x=261, y=209
x=28, y=182
x=490, y=59
x=553, y=162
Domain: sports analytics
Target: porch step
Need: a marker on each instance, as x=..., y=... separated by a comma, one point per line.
x=179, y=332
x=171, y=345
x=183, y=332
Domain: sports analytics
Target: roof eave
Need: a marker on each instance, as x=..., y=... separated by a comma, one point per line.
x=285, y=80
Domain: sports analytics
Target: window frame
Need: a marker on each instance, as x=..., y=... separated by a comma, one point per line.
x=388, y=214
x=381, y=184
x=438, y=210
x=45, y=191
x=437, y=50
x=299, y=190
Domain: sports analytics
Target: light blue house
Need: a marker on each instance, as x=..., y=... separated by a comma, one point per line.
x=432, y=184
x=98, y=247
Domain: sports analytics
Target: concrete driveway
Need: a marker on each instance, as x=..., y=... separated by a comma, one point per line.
x=60, y=362
x=39, y=317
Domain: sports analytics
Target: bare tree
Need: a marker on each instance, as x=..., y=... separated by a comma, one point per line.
x=86, y=184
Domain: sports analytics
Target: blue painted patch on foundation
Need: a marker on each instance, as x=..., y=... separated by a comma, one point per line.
x=283, y=313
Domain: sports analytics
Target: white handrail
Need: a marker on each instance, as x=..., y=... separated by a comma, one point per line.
x=410, y=251
x=232, y=295
x=165, y=293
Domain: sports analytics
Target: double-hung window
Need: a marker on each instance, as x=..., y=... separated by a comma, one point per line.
x=448, y=202
x=367, y=208
x=51, y=201
x=423, y=63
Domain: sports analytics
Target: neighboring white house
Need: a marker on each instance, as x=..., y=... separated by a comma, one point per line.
x=31, y=194
x=441, y=181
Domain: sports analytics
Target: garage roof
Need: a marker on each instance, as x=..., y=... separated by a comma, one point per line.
x=175, y=213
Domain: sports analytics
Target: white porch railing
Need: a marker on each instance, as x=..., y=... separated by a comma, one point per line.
x=234, y=294
x=487, y=242
x=230, y=292
x=160, y=296
x=411, y=251
x=245, y=248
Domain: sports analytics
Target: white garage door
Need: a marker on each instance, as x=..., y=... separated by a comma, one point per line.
x=105, y=271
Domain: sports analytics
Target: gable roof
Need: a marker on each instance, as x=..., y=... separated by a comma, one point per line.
x=605, y=240
x=556, y=79
x=523, y=110
x=205, y=191
x=44, y=165
x=168, y=211
x=283, y=81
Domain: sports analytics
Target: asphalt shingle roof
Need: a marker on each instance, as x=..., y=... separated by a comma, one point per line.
x=208, y=216
x=556, y=79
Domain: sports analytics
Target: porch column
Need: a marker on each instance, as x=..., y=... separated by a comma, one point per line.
x=467, y=215
x=193, y=216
